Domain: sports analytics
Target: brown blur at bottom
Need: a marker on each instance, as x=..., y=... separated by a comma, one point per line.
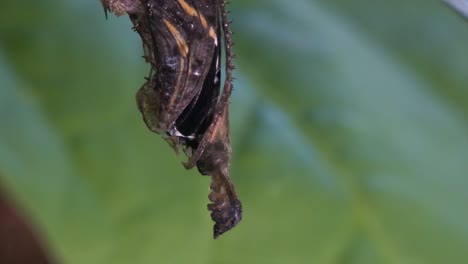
x=19, y=244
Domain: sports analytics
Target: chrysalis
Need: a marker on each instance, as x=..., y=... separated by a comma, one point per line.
x=182, y=98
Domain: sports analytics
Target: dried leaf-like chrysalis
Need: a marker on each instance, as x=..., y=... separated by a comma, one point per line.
x=182, y=98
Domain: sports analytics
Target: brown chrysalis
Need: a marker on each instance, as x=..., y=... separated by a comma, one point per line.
x=182, y=98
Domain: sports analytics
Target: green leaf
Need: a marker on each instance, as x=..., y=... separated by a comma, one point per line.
x=349, y=130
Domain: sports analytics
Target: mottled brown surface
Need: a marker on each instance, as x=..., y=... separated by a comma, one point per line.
x=182, y=98
x=226, y=209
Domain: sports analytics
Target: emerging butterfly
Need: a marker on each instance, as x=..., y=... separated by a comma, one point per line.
x=182, y=98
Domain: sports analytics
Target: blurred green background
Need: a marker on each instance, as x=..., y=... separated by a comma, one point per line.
x=349, y=132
